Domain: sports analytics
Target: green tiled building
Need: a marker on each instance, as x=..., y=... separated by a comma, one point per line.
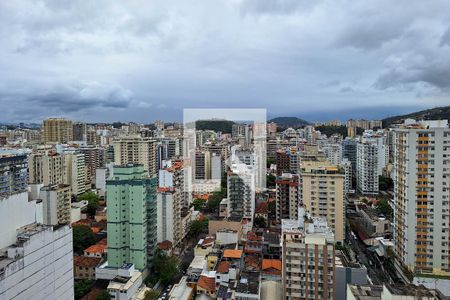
x=131, y=204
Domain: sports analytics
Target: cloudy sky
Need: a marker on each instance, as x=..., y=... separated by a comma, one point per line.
x=144, y=60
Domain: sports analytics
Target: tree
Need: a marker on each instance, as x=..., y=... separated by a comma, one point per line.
x=272, y=207
x=260, y=222
x=270, y=161
x=83, y=237
x=196, y=227
x=384, y=208
x=198, y=203
x=151, y=295
x=92, y=199
x=103, y=295
x=271, y=180
x=385, y=183
x=166, y=267
x=215, y=199
x=82, y=287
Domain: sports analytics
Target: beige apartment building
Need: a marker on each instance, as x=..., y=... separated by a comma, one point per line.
x=56, y=204
x=308, y=259
x=46, y=168
x=57, y=130
x=422, y=196
x=287, y=196
x=75, y=172
x=322, y=192
x=136, y=150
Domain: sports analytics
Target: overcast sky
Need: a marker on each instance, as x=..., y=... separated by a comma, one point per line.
x=144, y=60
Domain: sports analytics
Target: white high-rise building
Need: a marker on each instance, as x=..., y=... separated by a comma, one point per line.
x=367, y=167
x=333, y=153
x=36, y=261
x=422, y=196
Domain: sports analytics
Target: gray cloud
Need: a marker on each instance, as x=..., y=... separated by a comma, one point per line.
x=445, y=40
x=133, y=60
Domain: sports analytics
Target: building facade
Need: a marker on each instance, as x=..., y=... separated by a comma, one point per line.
x=422, y=196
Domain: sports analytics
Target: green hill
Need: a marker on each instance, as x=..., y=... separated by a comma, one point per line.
x=217, y=125
x=437, y=113
x=285, y=122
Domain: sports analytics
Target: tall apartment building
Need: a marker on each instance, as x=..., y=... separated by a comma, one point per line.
x=13, y=174
x=287, y=196
x=131, y=216
x=422, y=196
x=94, y=158
x=308, y=258
x=136, y=150
x=202, y=165
x=333, y=153
x=367, y=168
x=346, y=165
x=75, y=172
x=79, y=131
x=46, y=168
x=57, y=130
x=36, y=260
x=349, y=150
x=241, y=193
x=169, y=223
x=56, y=204
x=323, y=193
x=283, y=162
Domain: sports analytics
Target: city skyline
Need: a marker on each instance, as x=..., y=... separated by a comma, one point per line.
x=294, y=58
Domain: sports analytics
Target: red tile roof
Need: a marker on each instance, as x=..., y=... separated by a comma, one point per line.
x=97, y=248
x=229, y=253
x=223, y=267
x=262, y=208
x=207, y=283
x=84, y=261
x=165, y=245
x=272, y=266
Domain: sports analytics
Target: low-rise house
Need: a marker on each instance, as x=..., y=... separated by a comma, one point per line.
x=224, y=293
x=181, y=291
x=248, y=287
x=227, y=236
x=271, y=245
x=251, y=263
x=223, y=272
x=97, y=250
x=271, y=269
x=166, y=247
x=206, y=284
x=125, y=287
x=235, y=257
x=204, y=246
x=347, y=272
x=84, y=267
x=373, y=223
x=197, y=266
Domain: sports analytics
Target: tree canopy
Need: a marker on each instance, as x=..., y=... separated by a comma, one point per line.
x=103, y=295
x=196, y=227
x=82, y=287
x=385, y=183
x=384, y=208
x=83, y=237
x=92, y=199
x=166, y=267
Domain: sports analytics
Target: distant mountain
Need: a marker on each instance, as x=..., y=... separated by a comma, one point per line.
x=224, y=126
x=289, y=122
x=437, y=113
